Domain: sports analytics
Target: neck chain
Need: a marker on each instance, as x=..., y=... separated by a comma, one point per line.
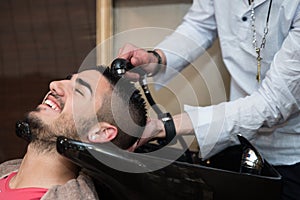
x=254, y=40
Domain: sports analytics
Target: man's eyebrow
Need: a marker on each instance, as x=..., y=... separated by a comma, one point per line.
x=84, y=83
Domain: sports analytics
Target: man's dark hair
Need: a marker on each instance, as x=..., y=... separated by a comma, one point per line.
x=124, y=108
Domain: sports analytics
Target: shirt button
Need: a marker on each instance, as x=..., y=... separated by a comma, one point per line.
x=244, y=18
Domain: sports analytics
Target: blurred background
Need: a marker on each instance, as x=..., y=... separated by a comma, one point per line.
x=40, y=41
x=45, y=40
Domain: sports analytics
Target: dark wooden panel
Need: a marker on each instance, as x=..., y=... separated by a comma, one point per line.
x=40, y=40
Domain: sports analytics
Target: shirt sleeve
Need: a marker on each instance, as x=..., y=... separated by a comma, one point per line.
x=276, y=100
x=196, y=33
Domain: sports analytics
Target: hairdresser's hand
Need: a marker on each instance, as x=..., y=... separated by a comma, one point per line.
x=140, y=58
x=154, y=129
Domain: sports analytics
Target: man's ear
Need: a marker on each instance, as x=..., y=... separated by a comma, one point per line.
x=104, y=133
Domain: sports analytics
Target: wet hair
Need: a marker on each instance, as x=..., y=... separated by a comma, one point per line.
x=124, y=108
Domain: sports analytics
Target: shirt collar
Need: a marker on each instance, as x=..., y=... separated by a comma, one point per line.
x=256, y=4
x=259, y=2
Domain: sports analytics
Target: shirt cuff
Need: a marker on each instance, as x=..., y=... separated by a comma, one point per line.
x=209, y=125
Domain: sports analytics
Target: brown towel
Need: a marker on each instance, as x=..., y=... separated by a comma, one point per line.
x=81, y=188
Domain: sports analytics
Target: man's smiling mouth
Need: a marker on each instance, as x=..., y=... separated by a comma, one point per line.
x=52, y=105
x=52, y=102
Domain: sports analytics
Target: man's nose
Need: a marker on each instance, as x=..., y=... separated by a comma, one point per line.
x=59, y=87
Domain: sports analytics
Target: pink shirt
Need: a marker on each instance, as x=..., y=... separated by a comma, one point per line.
x=31, y=193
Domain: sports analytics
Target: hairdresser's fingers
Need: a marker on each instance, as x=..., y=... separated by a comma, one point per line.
x=127, y=51
x=137, y=56
x=133, y=147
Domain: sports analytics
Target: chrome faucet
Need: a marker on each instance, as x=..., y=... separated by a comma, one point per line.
x=252, y=162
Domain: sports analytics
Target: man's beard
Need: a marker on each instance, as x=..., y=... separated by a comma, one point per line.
x=44, y=136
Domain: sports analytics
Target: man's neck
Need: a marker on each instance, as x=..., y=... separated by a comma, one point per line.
x=43, y=170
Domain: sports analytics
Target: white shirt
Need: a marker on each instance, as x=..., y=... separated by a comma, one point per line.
x=267, y=113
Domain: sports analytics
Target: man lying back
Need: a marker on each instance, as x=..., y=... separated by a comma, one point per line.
x=93, y=106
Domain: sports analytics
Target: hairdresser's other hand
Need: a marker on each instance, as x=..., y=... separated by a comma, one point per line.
x=154, y=129
x=140, y=58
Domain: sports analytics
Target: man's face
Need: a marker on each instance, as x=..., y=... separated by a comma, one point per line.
x=69, y=109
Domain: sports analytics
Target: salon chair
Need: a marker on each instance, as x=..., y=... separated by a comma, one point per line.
x=238, y=172
x=218, y=178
